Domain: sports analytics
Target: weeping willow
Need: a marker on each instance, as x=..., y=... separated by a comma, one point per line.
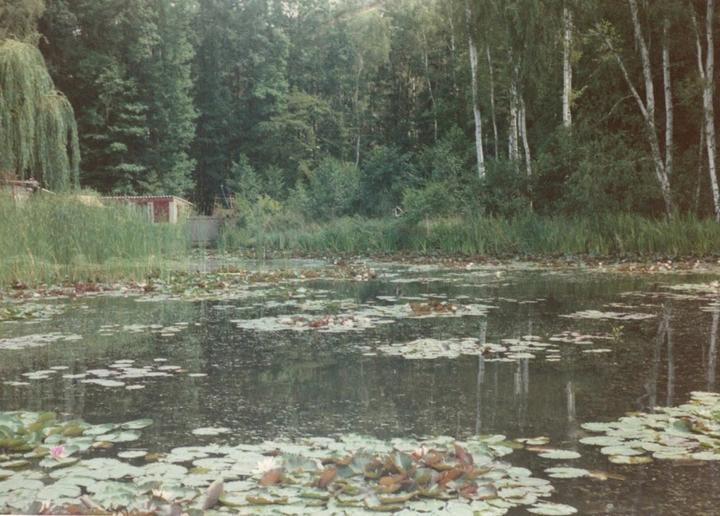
x=38, y=133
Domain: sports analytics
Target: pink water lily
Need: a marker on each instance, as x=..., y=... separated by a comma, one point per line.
x=57, y=452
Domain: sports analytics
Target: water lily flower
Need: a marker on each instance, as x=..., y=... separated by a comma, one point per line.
x=267, y=464
x=419, y=453
x=57, y=452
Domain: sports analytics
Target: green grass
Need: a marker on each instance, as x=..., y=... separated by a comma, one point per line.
x=617, y=236
x=54, y=238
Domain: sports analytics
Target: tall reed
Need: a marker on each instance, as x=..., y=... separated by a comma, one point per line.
x=50, y=238
x=617, y=236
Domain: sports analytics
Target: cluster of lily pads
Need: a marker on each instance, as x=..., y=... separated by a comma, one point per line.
x=690, y=432
x=363, y=318
x=511, y=350
x=121, y=373
x=36, y=341
x=527, y=347
x=28, y=312
x=609, y=315
x=39, y=454
x=349, y=474
x=109, y=330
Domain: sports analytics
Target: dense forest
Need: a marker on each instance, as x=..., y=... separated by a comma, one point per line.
x=329, y=108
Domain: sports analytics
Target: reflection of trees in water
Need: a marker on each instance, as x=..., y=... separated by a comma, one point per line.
x=482, y=337
x=712, y=352
x=98, y=352
x=663, y=339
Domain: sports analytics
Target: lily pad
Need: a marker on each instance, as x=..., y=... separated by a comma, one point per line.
x=559, y=454
x=567, y=472
x=552, y=509
x=210, y=431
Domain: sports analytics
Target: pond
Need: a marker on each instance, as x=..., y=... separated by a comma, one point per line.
x=388, y=352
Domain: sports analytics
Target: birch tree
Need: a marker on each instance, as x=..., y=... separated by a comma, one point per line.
x=706, y=69
x=646, y=105
x=473, y=53
x=493, y=115
x=369, y=34
x=567, y=66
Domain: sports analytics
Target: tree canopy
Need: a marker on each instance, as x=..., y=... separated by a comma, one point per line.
x=575, y=106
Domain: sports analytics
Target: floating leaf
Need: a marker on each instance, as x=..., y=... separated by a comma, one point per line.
x=210, y=431
x=621, y=450
x=119, y=437
x=624, y=459
x=137, y=424
x=567, y=472
x=559, y=454
x=552, y=509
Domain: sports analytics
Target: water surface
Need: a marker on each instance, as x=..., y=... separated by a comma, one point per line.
x=269, y=384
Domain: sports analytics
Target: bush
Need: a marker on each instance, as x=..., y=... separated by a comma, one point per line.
x=333, y=190
x=432, y=200
x=386, y=172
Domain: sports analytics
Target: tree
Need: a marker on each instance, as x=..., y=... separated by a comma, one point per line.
x=38, y=133
x=170, y=110
x=369, y=38
x=126, y=68
x=567, y=65
x=646, y=105
x=214, y=72
x=706, y=70
x=473, y=52
x=18, y=19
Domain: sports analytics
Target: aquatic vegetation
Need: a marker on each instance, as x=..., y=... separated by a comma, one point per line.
x=349, y=472
x=616, y=316
x=362, y=318
x=40, y=451
x=121, y=373
x=574, y=337
x=690, y=432
x=28, y=311
x=35, y=341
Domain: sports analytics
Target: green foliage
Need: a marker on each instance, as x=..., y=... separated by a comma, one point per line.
x=168, y=95
x=38, y=135
x=18, y=19
x=126, y=69
x=51, y=238
x=523, y=236
x=428, y=201
x=386, y=171
x=333, y=190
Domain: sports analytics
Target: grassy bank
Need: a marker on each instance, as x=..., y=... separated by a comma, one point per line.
x=612, y=236
x=53, y=238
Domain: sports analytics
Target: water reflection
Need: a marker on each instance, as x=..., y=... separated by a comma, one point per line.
x=712, y=352
x=266, y=385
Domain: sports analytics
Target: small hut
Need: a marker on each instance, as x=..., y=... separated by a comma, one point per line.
x=19, y=190
x=158, y=208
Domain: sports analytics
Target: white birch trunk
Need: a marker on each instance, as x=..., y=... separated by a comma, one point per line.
x=647, y=106
x=709, y=103
x=712, y=352
x=567, y=68
x=361, y=65
x=476, y=107
x=667, y=86
x=453, y=51
x=513, y=147
x=491, y=73
x=706, y=70
x=524, y=136
x=426, y=60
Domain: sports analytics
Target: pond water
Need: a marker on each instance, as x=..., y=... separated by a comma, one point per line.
x=398, y=360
